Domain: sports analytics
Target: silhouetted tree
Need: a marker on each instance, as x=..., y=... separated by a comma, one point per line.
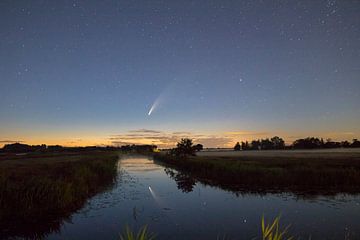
x=183, y=148
x=247, y=145
x=355, y=143
x=16, y=147
x=278, y=142
x=237, y=147
x=266, y=144
x=263, y=144
x=23, y=148
x=345, y=144
x=308, y=143
x=55, y=148
x=331, y=144
x=198, y=147
x=255, y=145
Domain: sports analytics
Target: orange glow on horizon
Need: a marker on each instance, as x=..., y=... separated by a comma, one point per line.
x=162, y=139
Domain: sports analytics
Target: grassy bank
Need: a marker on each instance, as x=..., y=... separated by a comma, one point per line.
x=39, y=191
x=256, y=173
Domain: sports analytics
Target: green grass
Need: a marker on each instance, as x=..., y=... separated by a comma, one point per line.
x=142, y=234
x=271, y=174
x=38, y=193
x=273, y=230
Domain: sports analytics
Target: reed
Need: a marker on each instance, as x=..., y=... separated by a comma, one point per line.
x=37, y=196
x=273, y=231
x=142, y=234
x=299, y=176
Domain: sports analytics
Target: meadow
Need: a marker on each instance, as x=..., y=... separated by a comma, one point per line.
x=327, y=154
x=303, y=172
x=38, y=191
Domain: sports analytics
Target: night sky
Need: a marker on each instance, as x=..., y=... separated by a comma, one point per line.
x=88, y=72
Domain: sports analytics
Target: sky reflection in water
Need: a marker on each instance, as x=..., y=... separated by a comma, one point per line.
x=205, y=212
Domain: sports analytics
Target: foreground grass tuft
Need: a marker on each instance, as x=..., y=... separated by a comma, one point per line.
x=142, y=234
x=272, y=231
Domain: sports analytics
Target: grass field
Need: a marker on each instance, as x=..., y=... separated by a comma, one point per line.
x=39, y=191
x=307, y=172
x=328, y=154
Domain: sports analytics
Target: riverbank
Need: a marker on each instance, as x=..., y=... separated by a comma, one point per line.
x=300, y=172
x=41, y=190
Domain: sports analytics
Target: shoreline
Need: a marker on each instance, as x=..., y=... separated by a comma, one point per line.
x=306, y=175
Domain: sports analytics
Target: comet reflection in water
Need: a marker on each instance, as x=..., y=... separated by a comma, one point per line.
x=153, y=194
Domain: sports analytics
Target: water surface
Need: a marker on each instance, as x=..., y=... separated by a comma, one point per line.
x=174, y=206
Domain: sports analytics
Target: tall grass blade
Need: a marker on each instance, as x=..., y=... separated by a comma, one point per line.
x=273, y=231
x=142, y=234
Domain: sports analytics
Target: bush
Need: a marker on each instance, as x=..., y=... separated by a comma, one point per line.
x=183, y=149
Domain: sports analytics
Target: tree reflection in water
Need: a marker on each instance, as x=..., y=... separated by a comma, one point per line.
x=184, y=181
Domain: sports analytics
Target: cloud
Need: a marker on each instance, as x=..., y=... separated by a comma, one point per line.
x=11, y=141
x=339, y=133
x=215, y=141
x=181, y=133
x=144, y=131
x=294, y=137
x=168, y=139
x=246, y=133
x=164, y=140
x=120, y=143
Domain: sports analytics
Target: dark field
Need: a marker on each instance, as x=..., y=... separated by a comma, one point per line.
x=39, y=191
x=301, y=172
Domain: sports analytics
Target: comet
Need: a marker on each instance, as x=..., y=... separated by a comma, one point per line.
x=155, y=104
x=157, y=101
x=165, y=94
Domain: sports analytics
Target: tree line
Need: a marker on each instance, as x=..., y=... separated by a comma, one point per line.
x=186, y=146
x=303, y=143
x=261, y=144
x=25, y=148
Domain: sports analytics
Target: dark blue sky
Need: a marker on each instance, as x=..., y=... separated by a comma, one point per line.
x=82, y=72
